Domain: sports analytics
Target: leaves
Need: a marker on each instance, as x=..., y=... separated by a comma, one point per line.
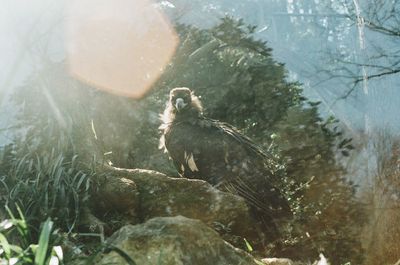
x=41, y=251
x=5, y=246
x=248, y=246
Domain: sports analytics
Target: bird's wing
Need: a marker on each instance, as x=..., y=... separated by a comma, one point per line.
x=257, y=182
x=218, y=153
x=239, y=137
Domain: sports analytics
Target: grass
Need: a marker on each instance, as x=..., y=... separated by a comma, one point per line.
x=43, y=191
x=47, y=185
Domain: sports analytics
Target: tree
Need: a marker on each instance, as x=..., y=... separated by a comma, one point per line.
x=240, y=83
x=377, y=23
x=382, y=199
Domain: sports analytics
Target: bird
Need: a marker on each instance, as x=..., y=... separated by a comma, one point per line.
x=217, y=152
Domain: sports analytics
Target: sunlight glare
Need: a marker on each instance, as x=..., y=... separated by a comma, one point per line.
x=118, y=46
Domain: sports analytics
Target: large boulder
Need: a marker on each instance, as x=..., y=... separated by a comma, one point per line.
x=116, y=193
x=152, y=194
x=172, y=241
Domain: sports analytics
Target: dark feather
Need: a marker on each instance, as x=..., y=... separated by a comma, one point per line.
x=218, y=153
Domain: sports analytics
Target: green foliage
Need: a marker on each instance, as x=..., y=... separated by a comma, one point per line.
x=46, y=251
x=235, y=75
x=46, y=170
x=47, y=185
x=329, y=217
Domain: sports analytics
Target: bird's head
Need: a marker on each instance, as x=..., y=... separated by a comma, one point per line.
x=182, y=104
x=183, y=100
x=180, y=98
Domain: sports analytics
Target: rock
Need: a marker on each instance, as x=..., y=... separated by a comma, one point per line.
x=322, y=260
x=114, y=202
x=277, y=261
x=90, y=223
x=173, y=241
x=160, y=195
x=115, y=194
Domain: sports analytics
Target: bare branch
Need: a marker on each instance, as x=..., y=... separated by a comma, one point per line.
x=380, y=28
x=391, y=72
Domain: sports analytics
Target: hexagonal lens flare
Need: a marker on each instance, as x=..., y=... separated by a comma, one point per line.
x=118, y=46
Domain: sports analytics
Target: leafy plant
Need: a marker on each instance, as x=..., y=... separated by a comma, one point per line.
x=46, y=185
x=44, y=252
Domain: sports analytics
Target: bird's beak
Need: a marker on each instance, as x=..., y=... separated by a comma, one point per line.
x=180, y=104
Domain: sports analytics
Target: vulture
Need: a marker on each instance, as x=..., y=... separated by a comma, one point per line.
x=214, y=151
